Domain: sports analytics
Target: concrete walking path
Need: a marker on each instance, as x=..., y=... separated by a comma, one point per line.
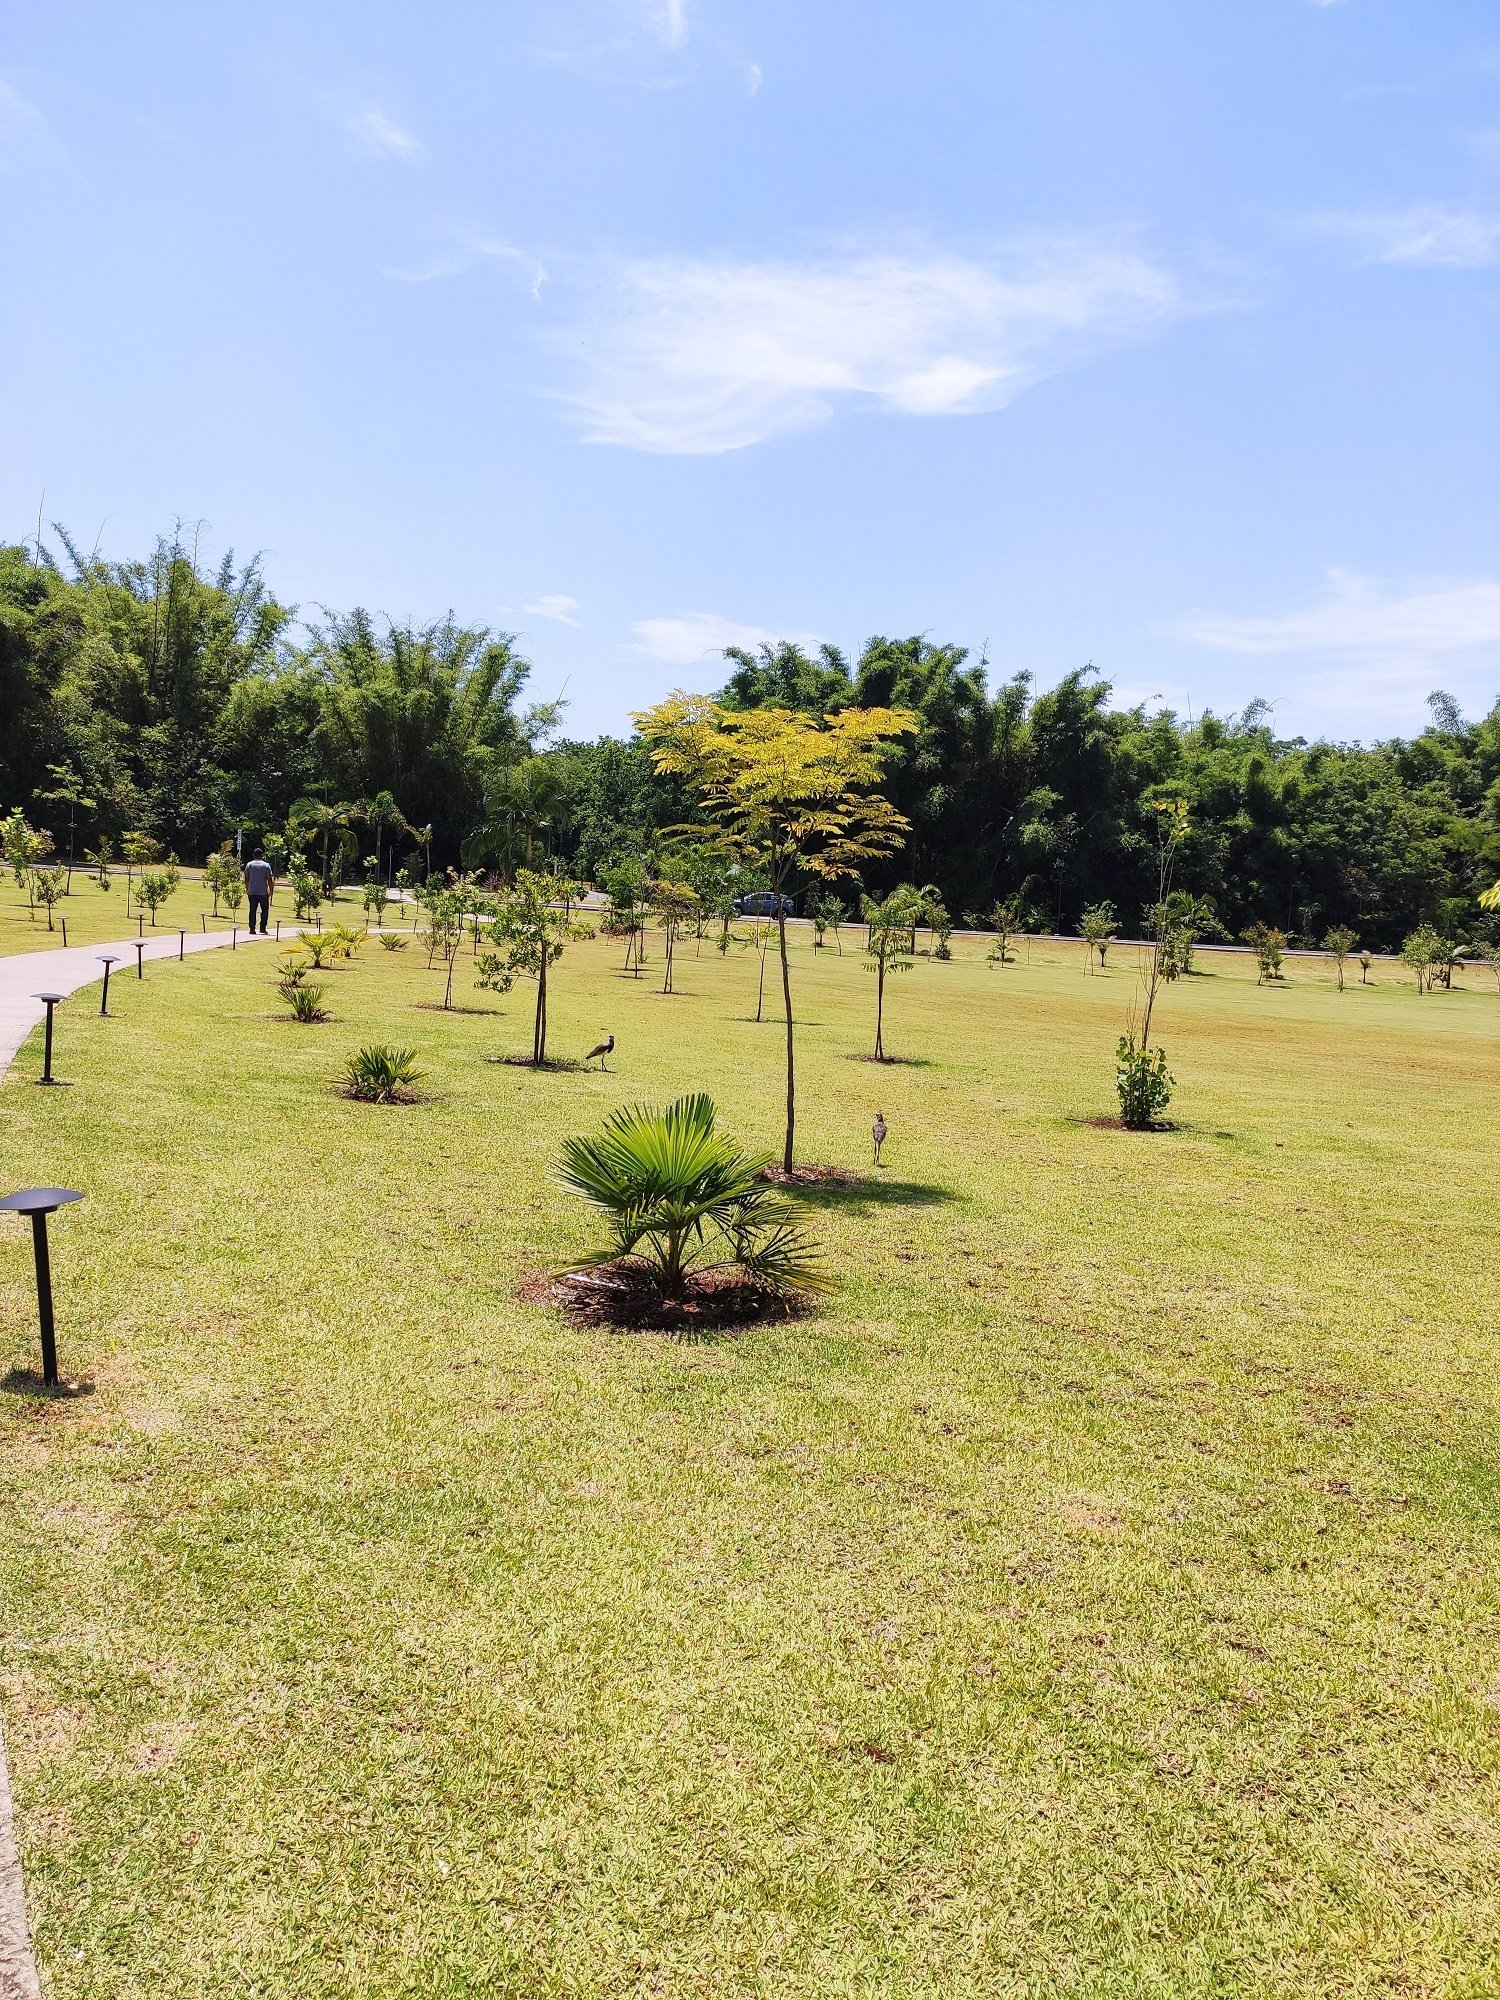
x=23, y=975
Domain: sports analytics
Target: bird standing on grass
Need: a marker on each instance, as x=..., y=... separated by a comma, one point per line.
x=877, y=1133
x=605, y=1048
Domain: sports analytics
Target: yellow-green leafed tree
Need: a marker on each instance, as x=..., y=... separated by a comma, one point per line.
x=790, y=792
x=1491, y=898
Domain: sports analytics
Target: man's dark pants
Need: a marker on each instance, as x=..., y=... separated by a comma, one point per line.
x=263, y=904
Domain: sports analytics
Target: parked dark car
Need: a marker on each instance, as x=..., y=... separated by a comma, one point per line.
x=764, y=903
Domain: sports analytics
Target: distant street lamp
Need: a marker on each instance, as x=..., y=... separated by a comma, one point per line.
x=140, y=958
x=106, y=962
x=39, y=1203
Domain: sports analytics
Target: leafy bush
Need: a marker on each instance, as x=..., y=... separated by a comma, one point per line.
x=319, y=948
x=1097, y=927
x=1144, y=1084
x=1426, y=952
x=380, y=1074
x=1268, y=944
x=306, y=1002
x=1338, y=944
x=392, y=941
x=307, y=891
x=683, y=1197
x=344, y=940
x=49, y=886
x=157, y=886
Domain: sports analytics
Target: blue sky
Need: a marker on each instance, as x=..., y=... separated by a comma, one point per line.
x=1161, y=336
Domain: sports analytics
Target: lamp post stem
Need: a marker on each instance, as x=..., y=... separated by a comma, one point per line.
x=44, y=1297
x=104, y=996
x=47, y=1058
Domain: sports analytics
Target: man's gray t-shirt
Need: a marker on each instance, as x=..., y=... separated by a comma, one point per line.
x=259, y=876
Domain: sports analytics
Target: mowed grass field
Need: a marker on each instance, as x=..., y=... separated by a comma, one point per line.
x=100, y=916
x=1097, y=1596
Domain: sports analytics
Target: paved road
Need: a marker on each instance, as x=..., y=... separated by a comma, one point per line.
x=24, y=974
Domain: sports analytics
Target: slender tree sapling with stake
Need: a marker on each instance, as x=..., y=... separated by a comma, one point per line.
x=1338, y=944
x=888, y=945
x=67, y=790
x=529, y=934
x=791, y=792
x=1142, y=1080
x=1097, y=927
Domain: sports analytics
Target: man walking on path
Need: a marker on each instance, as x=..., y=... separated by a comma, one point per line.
x=260, y=880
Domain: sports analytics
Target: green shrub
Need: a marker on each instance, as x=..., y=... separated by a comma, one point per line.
x=306, y=1002
x=380, y=1074
x=1144, y=1084
x=1268, y=944
x=684, y=1199
x=392, y=941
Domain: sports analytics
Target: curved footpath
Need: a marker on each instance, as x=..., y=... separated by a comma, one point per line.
x=23, y=975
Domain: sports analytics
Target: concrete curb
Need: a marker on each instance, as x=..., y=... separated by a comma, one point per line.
x=18, y=1973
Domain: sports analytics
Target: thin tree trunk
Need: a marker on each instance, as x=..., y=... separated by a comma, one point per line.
x=539, y=1032
x=761, y=994
x=879, y=1007
x=791, y=1070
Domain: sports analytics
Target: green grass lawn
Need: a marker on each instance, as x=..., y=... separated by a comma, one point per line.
x=1097, y=1596
x=99, y=916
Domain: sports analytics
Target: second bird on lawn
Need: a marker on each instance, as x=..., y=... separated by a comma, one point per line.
x=605, y=1048
x=877, y=1133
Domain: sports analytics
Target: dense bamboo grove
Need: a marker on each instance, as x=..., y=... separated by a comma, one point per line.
x=185, y=702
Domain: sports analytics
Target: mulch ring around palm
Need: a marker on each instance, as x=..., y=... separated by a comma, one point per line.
x=624, y=1293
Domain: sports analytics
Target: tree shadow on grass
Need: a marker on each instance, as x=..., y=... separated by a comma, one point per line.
x=895, y=1062
x=27, y=1382
x=858, y=1194
x=568, y=1065
x=437, y=1007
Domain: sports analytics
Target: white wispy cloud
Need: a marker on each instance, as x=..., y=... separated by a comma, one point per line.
x=381, y=138
x=1453, y=239
x=684, y=640
x=692, y=355
x=554, y=606
x=460, y=247
x=673, y=17
x=26, y=137
x=1359, y=615
x=1374, y=648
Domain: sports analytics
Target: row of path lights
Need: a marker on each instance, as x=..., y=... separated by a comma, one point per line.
x=39, y=1203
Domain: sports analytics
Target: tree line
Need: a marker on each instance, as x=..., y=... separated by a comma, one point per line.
x=179, y=702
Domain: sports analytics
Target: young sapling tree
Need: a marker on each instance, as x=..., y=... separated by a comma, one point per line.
x=792, y=793
x=157, y=886
x=49, y=885
x=1097, y=927
x=1338, y=944
x=888, y=945
x=1142, y=1082
x=1268, y=944
x=674, y=905
x=528, y=935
